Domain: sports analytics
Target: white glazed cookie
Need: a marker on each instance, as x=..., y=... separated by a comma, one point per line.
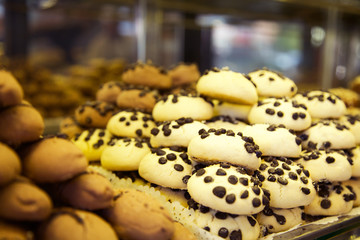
x=353, y=123
x=272, y=84
x=124, y=154
x=278, y=220
x=274, y=140
x=227, y=226
x=327, y=165
x=175, y=133
x=92, y=142
x=228, y=189
x=233, y=110
x=167, y=167
x=280, y=111
x=354, y=155
x=353, y=185
x=328, y=134
x=226, y=122
x=220, y=145
x=321, y=104
x=175, y=106
x=131, y=124
x=331, y=199
x=288, y=183
x=228, y=86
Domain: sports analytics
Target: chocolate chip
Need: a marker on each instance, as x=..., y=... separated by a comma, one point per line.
x=171, y=156
x=236, y=235
x=138, y=132
x=325, y=203
x=221, y=172
x=271, y=178
x=280, y=114
x=295, y=116
x=162, y=160
x=293, y=176
x=245, y=194
x=298, y=141
x=263, y=167
x=232, y=179
x=279, y=171
x=256, y=202
x=282, y=181
x=302, y=115
x=219, y=191
x=285, y=166
x=305, y=190
x=208, y=179
x=223, y=232
x=230, y=198
x=200, y=172
x=185, y=179
x=256, y=190
x=330, y=159
x=270, y=111
x=244, y=181
x=178, y=167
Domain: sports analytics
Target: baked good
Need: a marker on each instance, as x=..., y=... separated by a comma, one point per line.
x=220, y=145
x=167, y=167
x=226, y=85
x=94, y=114
x=92, y=142
x=11, y=92
x=129, y=123
x=270, y=83
x=327, y=134
x=108, y=92
x=88, y=191
x=175, y=106
x=353, y=155
x=183, y=74
x=354, y=84
x=227, y=189
x=138, y=99
x=274, y=140
x=227, y=226
x=175, y=133
x=136, y=215
x=22, y=200
x=20, y=124
x=12, y=231
x=321, y=104
x=353, y=123
x=288, y=183
x=10, y=165
x=70, y=127
x=124, y=154
x=280, y=111
x=278, y=220
x=353, y=185
x=227, y=122
x=182, y=233
x=332, y=198
x=233, y=110
x=147, y=75
x=68, y=223
x=326, y=165
x=349, y=97
x=52, y=159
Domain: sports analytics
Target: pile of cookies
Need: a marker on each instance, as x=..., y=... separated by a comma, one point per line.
x=48, y=191
x=245, y=155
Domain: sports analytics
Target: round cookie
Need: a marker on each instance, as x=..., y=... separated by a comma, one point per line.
x=228, y=189
x=183, y=74
x=68, y=223
x=175, y=133
x=167, y=167
x=353, y=123
x=274, y=140
x=321, y=104
x=175, y=106
x=70, y=127
x=92, y=142
x=227, y=226
x=20, y=124
x=124, y=154
x=233, y=110
x=354, y=155
x=52, y=159
x=326, y=165
x=331, y=199
x=278, y=220
x=272, y=84
x=328, y=134
x=137, y=99
x=23, y=201
x=280, y=111
x=353, y=185
x=226, y=122
x=131, y=124
x=136, y=215
x=147, y=75
x=289, y=184
x=94, y=114
x=10, y=165
x=228, y=86
x=108, y=92
x=11, y=92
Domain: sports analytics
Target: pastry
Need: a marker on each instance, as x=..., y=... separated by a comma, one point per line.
x=233, y=110
x=349, y=97
x=182, y=233
x=183, y=74
x=70, y=127
x=94, y=114
x=353, y=155
x=137, y=99
x=10, y=165
x=11, y=92
x=227, y=122
x=12, y=231
x=108, y=92
x=353, y=123
x=353, y=185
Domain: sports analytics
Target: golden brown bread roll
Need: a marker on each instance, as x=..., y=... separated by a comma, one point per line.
x=10, y=165
x=94, y=114
x=19, y=124
x=23, y=201
x=11, y=93
x=52, y=159
x=70, y=224
x=136, y=215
